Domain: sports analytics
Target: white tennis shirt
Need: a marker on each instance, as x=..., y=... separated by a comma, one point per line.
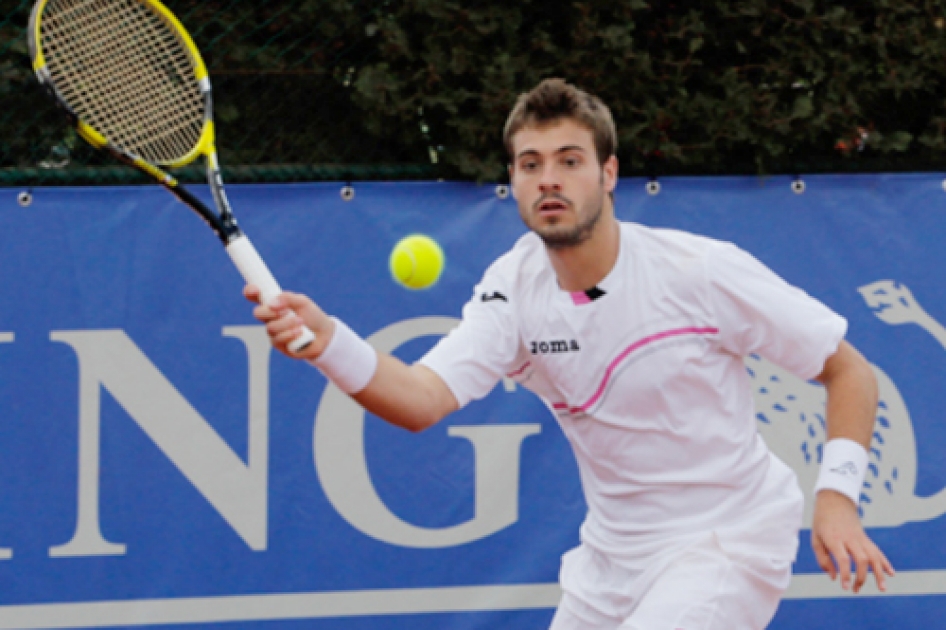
x=645, y=374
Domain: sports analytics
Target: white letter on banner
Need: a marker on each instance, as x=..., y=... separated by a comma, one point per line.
x=5, y=552
x=108, y=358
x=339, y=450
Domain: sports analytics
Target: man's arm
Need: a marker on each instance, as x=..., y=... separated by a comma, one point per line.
x=410, y=396
x=837, y=536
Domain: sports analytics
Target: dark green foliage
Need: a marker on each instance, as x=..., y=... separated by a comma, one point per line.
x=704, y=87
x=696, y=87
x=281, y=74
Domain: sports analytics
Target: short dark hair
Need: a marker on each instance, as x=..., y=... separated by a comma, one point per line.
x=555, y=99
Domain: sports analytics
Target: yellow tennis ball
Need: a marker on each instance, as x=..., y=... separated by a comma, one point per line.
x=416, y=261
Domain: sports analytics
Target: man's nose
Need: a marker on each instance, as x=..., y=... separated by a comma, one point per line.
x=550, y=180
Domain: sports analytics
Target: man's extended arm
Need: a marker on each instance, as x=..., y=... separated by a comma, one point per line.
x=410, y=396
x=837, y=536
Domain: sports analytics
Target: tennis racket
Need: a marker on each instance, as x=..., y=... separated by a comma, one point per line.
x=132, y=82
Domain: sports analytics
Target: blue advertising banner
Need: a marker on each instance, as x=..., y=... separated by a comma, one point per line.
x=161, y=466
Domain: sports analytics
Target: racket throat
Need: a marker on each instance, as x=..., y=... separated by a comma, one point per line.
x=220, y=197
x=228, y=229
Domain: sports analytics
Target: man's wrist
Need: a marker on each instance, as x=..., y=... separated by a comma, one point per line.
x=843, y=466
x=348, y=360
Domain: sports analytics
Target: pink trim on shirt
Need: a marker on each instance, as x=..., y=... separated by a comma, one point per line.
x=580, y=297
x=640, y=343
x=520, y=370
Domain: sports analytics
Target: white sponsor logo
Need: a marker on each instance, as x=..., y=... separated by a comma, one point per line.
x=237, y=490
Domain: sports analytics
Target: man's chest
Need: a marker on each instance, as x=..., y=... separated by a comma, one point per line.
x=617, y=351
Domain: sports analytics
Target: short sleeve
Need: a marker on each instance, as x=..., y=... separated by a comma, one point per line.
x=759, y=313
x=475, y=355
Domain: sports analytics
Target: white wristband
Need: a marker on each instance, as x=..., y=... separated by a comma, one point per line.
x=843, y=465
x=348, y=361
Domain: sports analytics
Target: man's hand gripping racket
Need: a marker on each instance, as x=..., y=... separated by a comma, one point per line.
x=132, y=82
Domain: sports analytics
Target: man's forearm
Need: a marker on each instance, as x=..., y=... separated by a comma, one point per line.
x=852, y=396
x=409, y=396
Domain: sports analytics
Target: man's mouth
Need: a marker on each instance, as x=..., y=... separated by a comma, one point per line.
x=551, y=206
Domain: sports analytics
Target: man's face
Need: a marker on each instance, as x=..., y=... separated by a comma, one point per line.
x=557, y=181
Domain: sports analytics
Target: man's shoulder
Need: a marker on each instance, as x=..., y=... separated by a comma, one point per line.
x=682, y=259
x=514, y=277
x=662, y=239
x=526, y=257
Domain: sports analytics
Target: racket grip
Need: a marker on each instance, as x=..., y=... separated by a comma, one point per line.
x=255, y=271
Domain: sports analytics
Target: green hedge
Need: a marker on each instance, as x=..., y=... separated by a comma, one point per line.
x=695, y=87
x=702, y=87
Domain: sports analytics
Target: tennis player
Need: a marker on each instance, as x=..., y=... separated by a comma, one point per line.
x=635, y=338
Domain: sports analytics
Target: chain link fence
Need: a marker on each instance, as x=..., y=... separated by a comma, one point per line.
x=285, y=108
x=419, y=89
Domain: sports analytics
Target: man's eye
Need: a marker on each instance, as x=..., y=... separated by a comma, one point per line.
x=571, y=161
x=529, y=166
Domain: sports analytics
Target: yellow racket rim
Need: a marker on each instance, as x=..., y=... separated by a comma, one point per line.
x=39, y=62
x=91, y=136
x=200, y=70
x=204, y=146
x=133, y=97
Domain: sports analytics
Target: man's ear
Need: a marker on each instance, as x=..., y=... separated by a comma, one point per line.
x=609, y=173
x=512, y=172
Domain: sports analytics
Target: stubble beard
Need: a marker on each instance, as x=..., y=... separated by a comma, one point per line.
x=560, y=237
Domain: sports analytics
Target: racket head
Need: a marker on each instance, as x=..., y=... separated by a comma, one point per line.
x=128, y=74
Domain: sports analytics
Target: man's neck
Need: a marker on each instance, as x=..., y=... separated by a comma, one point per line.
x=582, y=267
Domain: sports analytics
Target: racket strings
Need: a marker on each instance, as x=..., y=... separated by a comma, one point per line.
x=133, y=95
x=153, y=130
x=125, y=72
